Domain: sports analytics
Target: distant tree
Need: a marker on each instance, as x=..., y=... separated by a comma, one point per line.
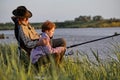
x=83, y=18
x=114, y=20
x=97, y=18
x=9, y=24
x=76, y=19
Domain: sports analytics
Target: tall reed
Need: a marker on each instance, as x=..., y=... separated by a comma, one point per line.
x=78, y=67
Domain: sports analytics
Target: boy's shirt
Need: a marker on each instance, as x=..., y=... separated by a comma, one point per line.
x=40, y=51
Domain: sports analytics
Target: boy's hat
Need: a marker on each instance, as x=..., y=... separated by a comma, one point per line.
x=22, y=12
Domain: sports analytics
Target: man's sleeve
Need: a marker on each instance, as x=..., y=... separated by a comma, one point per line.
x=27, y=41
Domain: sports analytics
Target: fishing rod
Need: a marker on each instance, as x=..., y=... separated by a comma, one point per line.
x=116, y=34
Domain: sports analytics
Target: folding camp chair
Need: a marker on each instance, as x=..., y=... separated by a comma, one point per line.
x=20, y=42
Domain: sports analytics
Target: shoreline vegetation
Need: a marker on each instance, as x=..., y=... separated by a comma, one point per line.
x=79, y=22
x=79, y=67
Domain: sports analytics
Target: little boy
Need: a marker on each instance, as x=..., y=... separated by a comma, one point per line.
x=39, y=52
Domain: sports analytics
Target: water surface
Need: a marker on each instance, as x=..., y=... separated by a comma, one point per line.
x=80, y=35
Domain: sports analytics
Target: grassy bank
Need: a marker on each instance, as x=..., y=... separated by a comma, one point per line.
x=80, y=68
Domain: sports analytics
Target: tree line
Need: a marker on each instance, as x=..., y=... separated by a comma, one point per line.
x=78, y=22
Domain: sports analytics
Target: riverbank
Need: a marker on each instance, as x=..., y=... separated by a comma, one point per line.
x=79, y=68
x=71, y=24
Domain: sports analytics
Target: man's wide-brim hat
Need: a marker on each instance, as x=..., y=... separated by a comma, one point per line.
x=22, y=12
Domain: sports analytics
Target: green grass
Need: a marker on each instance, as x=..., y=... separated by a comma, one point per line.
x=72, y=68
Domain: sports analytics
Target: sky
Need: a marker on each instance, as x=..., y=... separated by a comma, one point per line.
x=60, y=10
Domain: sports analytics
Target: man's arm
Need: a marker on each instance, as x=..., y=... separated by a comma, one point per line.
x=27, y=41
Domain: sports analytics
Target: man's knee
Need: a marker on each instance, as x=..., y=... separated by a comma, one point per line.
x=59, y=42
x=63, y=41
